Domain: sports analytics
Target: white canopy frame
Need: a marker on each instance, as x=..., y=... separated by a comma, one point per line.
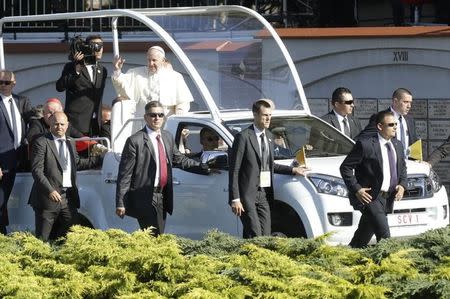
x=145, y=17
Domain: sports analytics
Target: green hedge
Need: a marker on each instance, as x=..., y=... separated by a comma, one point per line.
x=114, y=264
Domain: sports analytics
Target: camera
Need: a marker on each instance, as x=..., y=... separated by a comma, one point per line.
x=78, y=44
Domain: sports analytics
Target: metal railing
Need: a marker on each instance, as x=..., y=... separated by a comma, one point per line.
x=285, y=13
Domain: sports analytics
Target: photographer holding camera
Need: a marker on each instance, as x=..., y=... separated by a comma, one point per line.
x=83, y=79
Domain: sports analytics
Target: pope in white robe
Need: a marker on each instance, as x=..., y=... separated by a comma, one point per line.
x=155, y=82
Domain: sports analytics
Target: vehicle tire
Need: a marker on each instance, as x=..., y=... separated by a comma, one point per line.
x=286, y=222
x=83, y=221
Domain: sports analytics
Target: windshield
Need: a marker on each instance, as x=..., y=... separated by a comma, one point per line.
x=236, y=57
x=290, y=134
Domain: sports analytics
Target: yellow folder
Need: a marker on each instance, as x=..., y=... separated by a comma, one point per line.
x=300, y=156
x=415, y=150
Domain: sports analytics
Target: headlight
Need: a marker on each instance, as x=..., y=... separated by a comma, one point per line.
x=435, y=181
x=328, y=184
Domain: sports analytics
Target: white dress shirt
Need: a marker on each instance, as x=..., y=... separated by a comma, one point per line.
x=258, y=133
x=340, y=118
x=90, y=69
x=152, y=135
x=18, y=118
x=67, y=174
x=386, y=168
x=398, y=134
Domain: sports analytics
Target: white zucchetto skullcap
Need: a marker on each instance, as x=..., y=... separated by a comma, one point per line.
x=159, y=49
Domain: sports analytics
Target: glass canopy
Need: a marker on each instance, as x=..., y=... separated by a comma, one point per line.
x=235, y=55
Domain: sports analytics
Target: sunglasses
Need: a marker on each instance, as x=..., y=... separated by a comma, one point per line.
x=97, y=46
x=5, y=82
x=347, y=102
x=154, y=115
x=391, y=124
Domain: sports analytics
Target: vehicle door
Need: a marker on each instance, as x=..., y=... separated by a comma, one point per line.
x=201, y=201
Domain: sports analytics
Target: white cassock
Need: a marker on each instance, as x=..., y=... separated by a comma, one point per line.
x=166, y=86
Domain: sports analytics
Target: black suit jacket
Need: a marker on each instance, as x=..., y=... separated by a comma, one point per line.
x=38, y=127
x=83, y=97
x=363, y=168
x=353, y=123
x=137, y=171
x=371, y=128
x=9, y=157
x=48, y=175
x=245, y=167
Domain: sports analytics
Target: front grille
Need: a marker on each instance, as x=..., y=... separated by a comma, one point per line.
x=419, y=187
x=405, y=211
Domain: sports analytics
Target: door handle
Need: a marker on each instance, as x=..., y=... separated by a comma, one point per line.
x=175, y=181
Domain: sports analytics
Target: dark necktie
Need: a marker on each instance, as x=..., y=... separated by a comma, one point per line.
x=12, y=108
x=62, y=154
x=402, y=132
x=392, y=167
x=94, y=73
x=346, y=127
x=263, y=153
x=162, y=163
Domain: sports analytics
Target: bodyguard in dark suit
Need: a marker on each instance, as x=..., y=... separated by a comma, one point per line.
x=144, y=182
x=41, y=126
x=406, y=129
x=54, y=195
x=251, y=173
x=83, y=79
x=375, y=175
x=341, y=115
x=15, y=112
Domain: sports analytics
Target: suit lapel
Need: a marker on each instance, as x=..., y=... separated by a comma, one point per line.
x=166, y=143
x=85, y=73
x=254, y=143
x=269, y=141
x=148, y=143
x=20, y=108
x=377, y=148
x=5, y=114
x=98, y=75
x=71, y=154
x=51, y=143
x=352, y=126
x=334, y=120
x=398, y=153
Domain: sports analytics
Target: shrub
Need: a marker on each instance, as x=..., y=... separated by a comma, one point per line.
x=114, y=264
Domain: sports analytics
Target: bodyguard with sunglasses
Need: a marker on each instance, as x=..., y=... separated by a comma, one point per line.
x=15, y=112
x=400, y=107
x=144, y=182
x=375, y=175
x=341, y=116
x=83, y=79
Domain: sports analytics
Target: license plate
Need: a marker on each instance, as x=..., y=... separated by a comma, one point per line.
x=406, y=219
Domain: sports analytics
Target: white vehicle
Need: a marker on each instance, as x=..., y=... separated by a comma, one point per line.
x=231, y=56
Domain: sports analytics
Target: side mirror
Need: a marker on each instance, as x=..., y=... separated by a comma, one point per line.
x=215, y=159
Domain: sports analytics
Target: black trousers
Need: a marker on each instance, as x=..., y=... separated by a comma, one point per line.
x=155, y=217
x=256, y=218
x=373, y=221
x=55, y=223
x=6, y=186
